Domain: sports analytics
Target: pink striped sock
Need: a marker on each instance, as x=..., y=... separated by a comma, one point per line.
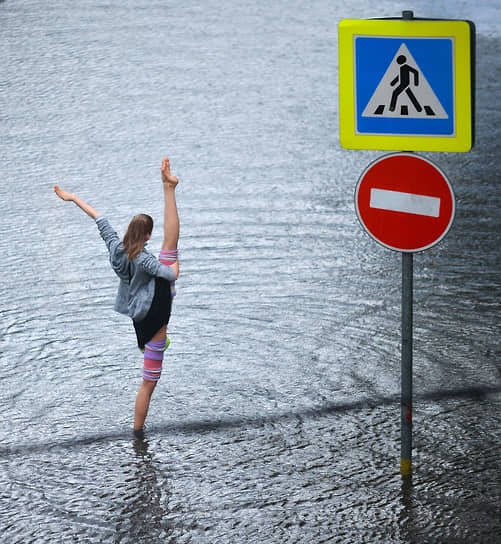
x=168, y=257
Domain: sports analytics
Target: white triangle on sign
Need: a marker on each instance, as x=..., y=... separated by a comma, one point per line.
x=404, y=92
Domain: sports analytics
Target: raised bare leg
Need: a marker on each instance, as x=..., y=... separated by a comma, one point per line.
x=168, y=254
x=171, y=218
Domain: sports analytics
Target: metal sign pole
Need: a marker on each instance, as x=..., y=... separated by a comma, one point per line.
x=406, y=204
x=403, y=201
x=406, y=378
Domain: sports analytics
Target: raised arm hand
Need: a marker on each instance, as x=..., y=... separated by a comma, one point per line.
x=70, y=197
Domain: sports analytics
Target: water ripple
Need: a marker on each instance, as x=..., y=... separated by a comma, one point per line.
x=277, y=417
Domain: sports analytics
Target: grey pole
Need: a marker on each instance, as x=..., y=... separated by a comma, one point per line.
x=406, y=355
x=406, y=378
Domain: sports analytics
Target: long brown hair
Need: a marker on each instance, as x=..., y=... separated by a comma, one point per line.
x=140, y=226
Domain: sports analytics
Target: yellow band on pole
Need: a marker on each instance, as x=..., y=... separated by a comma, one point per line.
x=405, y=467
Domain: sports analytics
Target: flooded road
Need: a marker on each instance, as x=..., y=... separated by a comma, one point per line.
x=277, y=417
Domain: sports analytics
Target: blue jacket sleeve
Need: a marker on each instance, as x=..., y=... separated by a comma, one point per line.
x=118, y=259
x=107, y=233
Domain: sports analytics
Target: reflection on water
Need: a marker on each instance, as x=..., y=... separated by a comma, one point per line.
x=277, y=418
x=145, y=498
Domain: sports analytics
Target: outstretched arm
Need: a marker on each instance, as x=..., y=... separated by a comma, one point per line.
x=70, y=197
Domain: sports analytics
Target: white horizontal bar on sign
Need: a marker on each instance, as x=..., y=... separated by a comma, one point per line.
x=396, y=201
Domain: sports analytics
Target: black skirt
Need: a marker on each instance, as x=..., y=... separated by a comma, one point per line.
x=158, y=315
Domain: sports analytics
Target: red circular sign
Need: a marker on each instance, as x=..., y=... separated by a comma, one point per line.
x=405, y=202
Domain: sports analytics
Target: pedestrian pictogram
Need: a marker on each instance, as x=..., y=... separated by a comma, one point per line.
x=398, y=94
x=404, y=92
x=406, y=84
x=405, y=202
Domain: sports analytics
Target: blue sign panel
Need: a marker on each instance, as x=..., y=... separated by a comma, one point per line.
x=404, y=85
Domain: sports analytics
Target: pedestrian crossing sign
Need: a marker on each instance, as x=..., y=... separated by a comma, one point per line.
x=405, y=84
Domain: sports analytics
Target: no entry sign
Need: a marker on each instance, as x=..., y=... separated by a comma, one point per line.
x=405, y=202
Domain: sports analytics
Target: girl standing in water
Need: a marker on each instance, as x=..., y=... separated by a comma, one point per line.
x=146, y=284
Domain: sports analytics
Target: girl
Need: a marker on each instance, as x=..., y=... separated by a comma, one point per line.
x=146, y=284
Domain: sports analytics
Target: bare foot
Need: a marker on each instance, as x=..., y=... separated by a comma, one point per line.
x=167, y=177
x=63, y=195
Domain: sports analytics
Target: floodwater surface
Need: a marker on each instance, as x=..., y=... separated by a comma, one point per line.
x=277, y=418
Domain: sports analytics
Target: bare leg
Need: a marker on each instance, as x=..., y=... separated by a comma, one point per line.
x=171, y=218
x=143, y=403
x=171, y=221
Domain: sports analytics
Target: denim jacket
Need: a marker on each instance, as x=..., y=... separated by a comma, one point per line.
x=137, y=277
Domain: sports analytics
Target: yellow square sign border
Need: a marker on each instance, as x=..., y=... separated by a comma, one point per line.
x=462, y=141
